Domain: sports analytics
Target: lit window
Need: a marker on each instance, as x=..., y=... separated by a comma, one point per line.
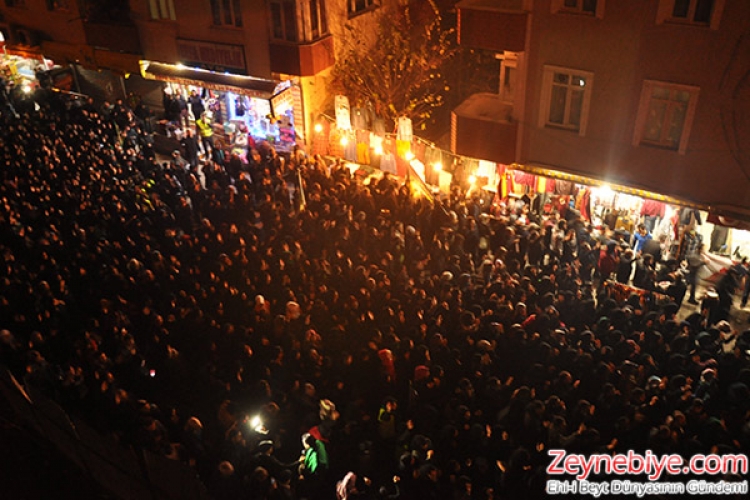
x=162, y=9
x=358, y=6
x=226, y=12
x=566, y=96
x=585, y=7
x=665, y=115
x=691, y=12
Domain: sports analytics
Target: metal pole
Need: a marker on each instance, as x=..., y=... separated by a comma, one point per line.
x=124, y=90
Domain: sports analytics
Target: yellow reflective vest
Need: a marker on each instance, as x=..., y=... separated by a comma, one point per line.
x=204, y=128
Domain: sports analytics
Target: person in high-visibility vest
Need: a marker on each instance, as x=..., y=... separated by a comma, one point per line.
x=206, y=131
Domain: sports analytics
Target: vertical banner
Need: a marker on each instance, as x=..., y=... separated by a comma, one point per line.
x=343, y=115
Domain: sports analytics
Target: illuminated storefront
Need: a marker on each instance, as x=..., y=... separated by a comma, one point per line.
x=245, y=107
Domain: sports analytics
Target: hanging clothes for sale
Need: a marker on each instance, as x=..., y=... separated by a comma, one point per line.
x=524, y=179
x=549, y=185
x=359, y=118
x=583, y=203
x=335, y=148
x=363, y=147
x=404, y=129
x=564, y=187
x=350, y=150
x=507, y=184
x=402, y=147
x=690, y=217
x=378, y=126
x=418, y=148
x=388, y=163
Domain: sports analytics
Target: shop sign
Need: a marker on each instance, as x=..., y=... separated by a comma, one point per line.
x=213, y=56
x=189, y=82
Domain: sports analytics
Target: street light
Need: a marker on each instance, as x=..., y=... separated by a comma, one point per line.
x=472, y=180
x=409, y=156
x=344, y=141
x=318, y=128
x=437, y=166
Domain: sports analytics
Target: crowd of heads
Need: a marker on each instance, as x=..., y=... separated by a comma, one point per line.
x=423, y=348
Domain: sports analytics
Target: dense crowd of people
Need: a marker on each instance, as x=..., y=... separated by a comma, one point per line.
x=367, y=343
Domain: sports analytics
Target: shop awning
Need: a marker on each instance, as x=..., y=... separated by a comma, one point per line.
x=63, y=53
x=556, y=174
x=247, y=85
x=726, y=221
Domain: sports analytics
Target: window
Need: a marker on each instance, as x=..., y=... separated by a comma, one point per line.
x=665, y=115
x=691, y=12
x=162, y=9
x=566, y=96
x=58, y=5
x=359, y=6
x=226, y=12
x=284, y=20
x=695, y=11
x=318, y=22
x=585, y=7
x=298, y=20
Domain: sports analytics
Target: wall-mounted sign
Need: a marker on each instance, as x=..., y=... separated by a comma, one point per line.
x=213, y=56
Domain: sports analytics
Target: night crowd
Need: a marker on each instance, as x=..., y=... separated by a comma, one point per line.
x=346, y=340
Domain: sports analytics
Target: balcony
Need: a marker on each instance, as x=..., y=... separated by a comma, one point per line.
x=482, y=127
x=304, y=59
x=496, y=25
x=114, y=37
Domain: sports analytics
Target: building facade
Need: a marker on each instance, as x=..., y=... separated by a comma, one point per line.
x=275, y=50
x=650, y=94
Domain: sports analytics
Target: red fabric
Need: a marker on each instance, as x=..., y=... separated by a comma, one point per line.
x=524, y=178
x=653, y=207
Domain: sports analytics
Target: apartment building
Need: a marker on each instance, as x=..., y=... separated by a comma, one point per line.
x=648, y=94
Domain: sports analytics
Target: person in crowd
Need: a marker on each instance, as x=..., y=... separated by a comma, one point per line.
x=196, y=105
x=640, y=237
x=190, y=147
x=609, y=258
x=742, y=272
x=690, y=253
x=206, y=132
